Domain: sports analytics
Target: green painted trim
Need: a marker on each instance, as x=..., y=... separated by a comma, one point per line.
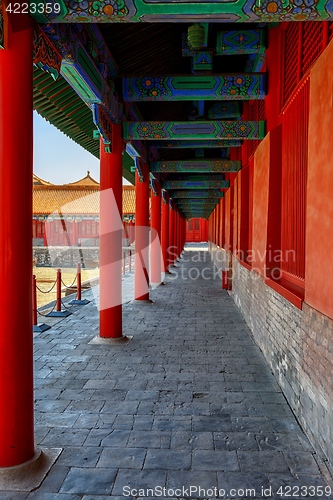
x=237, y=11
x=195, y=166
x=191, y=130
x=230, y=87
x=195, y=184
x=204, y=194
x=179, y=144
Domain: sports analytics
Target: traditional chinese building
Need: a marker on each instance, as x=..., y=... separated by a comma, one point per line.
x=68, y=214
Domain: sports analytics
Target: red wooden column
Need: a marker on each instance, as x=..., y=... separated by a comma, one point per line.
x=171, y=234
x=165, y=232
x=110, y=225
x=175, y=235
x=16, y=144
x=155, y=251
x=183, y=234
x=176, y=229
x=141, y=277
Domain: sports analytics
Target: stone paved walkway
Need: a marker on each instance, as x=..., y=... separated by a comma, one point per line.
x=188, y=402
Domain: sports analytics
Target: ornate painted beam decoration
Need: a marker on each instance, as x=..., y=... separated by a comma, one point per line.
x=195, y=184
x=2, y=28
x=245, y=86
x=194, y=130
x=230, y=43
x=164, y=196
x=255, y=62
x=202, y=61
x=104, y=125
x=109, y=11
x=45, y=56
x=153, y=185
x=207, y=193
x=139, y=168
x=83, y=65
x=195, y=166
x=190, y=206
x=195, y=144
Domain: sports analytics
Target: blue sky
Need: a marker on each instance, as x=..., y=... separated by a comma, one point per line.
x=57, y=158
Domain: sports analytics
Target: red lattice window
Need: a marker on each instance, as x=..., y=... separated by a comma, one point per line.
x=312, y=44
x=291, y=59
x=294, y=180
x=330, y=30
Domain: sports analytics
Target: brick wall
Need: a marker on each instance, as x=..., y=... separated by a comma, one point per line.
x=298, y=347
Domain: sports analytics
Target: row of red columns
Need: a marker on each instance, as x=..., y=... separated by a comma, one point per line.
x=16, y=168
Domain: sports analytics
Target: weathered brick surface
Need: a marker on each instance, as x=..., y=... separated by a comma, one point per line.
x=297, y=345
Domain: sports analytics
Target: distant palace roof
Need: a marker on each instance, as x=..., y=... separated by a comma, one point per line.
x=76, y=198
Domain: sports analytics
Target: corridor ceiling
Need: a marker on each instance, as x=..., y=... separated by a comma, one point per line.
x=178, y=88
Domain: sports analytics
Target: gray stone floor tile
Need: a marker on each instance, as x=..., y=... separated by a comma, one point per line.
x=214, y=460
x=211, y=423
x=168, y=459
x=185, y=440
x=116, y=438
x=190, y=391
x=172, y=423
x=301, y=463
x=262, y=461
x=128, y=458
x=191, y=484
x=8, y=495
x=299, y=485
x=233, y=441
x=39, y=495
x=72, y=437
x=149, y=439
x=128, y=480
x=95, y=480
x=79, y=456
x=54, y=480
x=281, y=441
x=243, y=484
x=259, y=424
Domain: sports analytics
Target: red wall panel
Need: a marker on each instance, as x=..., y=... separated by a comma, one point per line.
x=260, y=204
x=319, y=233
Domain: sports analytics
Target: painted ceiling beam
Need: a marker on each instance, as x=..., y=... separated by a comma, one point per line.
x=245, y=86
x=104, y=11
x=195, y=184
x=186, y=193
x=195, y=166
x=198, y=201
x=180, y=144
x=240, y=42
x=232, y=130
x=193, y=207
